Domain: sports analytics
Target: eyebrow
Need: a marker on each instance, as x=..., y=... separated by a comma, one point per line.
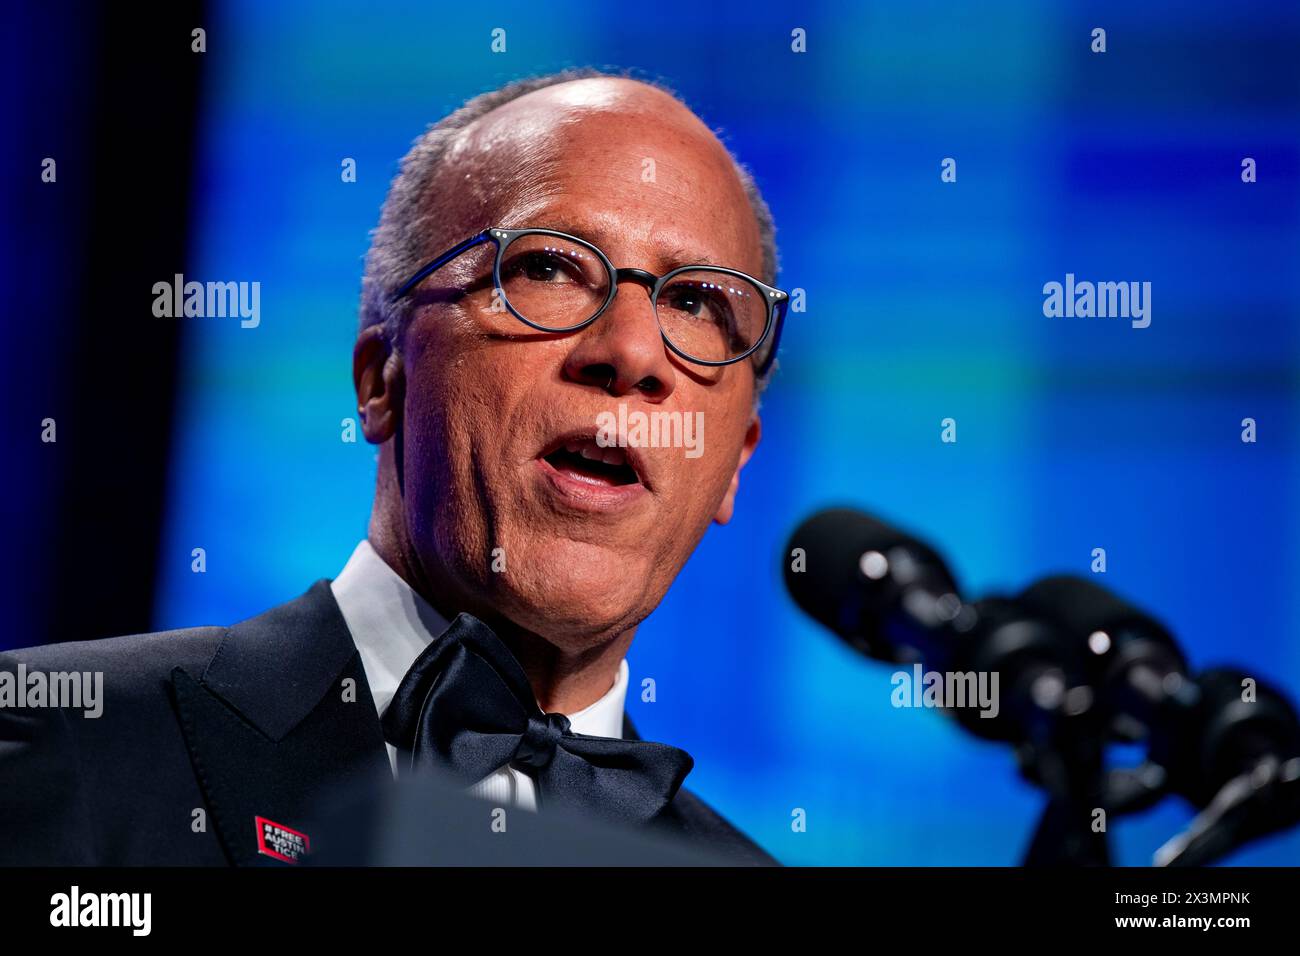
x=671, y=258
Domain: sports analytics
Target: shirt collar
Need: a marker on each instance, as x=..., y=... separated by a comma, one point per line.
x=391, y=624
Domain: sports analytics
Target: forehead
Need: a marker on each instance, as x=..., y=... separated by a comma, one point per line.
x=619, y=163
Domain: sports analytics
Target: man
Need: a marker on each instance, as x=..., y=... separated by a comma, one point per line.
x=568, y=282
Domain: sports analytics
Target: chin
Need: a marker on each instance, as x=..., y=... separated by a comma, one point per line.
x=574, y=603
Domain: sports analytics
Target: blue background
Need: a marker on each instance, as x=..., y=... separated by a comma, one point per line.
x=924, y=302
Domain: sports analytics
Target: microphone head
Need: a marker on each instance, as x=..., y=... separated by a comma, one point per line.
x=1083, y=606
x=1237, y=722
x=1120, y=638
x=848, y=571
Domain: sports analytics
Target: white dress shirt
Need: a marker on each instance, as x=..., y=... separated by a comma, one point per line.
x=391, y=625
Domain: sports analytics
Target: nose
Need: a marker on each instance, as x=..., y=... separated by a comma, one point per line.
x=623, y=351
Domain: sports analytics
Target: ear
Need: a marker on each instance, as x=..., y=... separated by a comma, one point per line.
x=380, y=381
x=728, y=505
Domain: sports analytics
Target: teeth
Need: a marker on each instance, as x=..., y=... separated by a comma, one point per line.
x=589, y=449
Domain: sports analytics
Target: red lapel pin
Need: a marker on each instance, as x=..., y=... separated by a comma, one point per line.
x=281, y=842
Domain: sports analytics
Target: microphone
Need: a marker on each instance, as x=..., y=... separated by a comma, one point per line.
x=1234, y=755
x=1226, y=743
x=890, y=596
x=1078, y=666
x=1131, y=659
x=883, y=591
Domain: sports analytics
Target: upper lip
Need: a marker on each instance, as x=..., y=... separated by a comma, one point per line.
x=636, y=457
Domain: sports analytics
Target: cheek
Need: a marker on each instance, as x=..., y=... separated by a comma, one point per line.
x=444, y=377
x=468, y=399
x=437, y=421
x=724, y=426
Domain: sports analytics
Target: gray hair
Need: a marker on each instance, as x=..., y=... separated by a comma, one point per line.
x=399, y=245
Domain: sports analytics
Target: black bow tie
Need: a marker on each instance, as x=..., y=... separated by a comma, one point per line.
x=466, y=706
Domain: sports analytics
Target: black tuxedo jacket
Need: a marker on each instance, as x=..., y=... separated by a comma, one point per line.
x=205, y=729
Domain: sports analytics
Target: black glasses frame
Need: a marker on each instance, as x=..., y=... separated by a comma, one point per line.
x=777, y=300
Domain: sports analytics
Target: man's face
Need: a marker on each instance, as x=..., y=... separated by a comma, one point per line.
x=504, y=510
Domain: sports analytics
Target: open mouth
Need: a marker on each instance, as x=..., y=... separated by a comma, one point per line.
x=582, y=459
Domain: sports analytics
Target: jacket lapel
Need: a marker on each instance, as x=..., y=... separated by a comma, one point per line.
x=281, y=719
x=275, y=729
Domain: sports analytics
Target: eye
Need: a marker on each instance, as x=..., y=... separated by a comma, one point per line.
x=686, y=300
x=694, y=300
x=541, y=265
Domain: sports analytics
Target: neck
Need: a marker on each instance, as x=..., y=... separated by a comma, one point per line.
x=566, y=682
x=563, y=681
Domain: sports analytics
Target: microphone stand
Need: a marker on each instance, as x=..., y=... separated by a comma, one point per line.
x=1250, y=805
x=1067, y=761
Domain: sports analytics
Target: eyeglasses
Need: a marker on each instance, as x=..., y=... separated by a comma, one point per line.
x=554, y=282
